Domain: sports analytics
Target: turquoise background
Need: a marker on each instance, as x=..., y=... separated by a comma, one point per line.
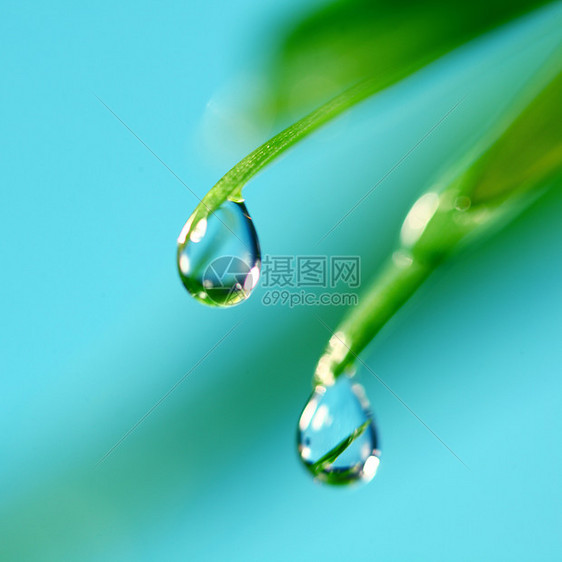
x=96, y=326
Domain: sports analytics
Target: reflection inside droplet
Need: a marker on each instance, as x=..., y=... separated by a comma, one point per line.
x=337, y=439
x=219, y=256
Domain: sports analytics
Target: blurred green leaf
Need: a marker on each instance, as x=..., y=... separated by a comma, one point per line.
x=349, y=40
x=527, y=155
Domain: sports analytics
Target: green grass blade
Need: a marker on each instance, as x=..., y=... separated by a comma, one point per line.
x=499, y=179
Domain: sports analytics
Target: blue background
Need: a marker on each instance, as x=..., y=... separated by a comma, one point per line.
x=96, y=326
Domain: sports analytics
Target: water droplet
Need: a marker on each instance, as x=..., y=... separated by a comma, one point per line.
x=219, y=256
x=337, y=439
x=462, y=203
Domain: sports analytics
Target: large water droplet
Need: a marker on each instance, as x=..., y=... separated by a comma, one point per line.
x=337, y=439
x=219, y=256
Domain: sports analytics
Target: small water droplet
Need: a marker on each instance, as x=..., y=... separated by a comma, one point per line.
x=337, y=440
x=219, y=257
x=462, y=203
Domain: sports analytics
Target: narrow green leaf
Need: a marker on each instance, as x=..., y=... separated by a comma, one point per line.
x=499, y=179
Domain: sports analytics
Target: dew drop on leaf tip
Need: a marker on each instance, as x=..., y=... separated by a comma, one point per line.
x=219, y=258
x=337, y=439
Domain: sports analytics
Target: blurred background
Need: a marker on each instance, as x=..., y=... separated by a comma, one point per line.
x=96, y=327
